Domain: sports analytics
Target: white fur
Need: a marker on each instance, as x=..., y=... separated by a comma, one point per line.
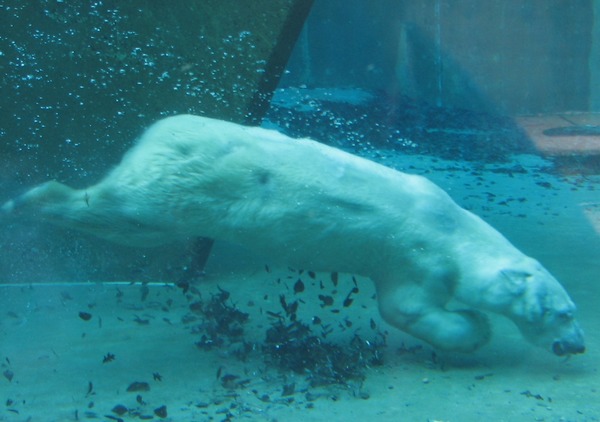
x=313, y=206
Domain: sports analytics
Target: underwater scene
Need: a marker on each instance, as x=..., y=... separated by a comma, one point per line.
x=300, y=210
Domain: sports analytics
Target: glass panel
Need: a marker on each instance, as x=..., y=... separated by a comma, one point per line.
x=433, y=256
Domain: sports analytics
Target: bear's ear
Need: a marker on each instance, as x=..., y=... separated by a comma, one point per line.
x=516, y=280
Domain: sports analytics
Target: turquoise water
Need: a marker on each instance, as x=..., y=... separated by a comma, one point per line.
x=90, y=330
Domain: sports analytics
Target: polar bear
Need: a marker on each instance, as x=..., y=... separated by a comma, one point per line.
x=312, y=206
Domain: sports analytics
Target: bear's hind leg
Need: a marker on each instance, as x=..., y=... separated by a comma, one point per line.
x=41, y=198
x=411, y=310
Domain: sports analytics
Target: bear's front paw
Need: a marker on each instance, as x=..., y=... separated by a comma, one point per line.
x=459, y=331
x=465, y=331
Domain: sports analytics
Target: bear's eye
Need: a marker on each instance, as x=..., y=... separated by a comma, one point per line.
x=565, y=316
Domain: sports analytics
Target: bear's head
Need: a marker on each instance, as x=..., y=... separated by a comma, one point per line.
x=542, y=309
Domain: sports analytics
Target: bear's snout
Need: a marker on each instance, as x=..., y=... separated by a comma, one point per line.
x=562, y=348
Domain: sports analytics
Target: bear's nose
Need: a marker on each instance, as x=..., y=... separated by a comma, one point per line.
x=563, y=348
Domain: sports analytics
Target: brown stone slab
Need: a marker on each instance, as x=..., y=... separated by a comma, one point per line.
x=582, y=145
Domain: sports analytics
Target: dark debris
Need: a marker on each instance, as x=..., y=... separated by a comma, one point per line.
x=222, y=322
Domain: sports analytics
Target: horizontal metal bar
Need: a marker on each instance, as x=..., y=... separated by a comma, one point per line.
x=88, y=284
